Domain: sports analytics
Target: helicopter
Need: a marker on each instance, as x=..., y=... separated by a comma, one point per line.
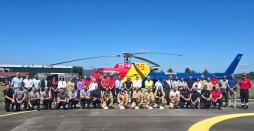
x=127, y=69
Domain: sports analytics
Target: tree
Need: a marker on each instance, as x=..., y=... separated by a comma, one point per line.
x=78, y=69
x=205, y=71
x=187, y=70
x=170, y=70
x=193, y=71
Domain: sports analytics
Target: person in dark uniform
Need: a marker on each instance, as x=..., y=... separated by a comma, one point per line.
x=167, y=87
x=128, y=87
x=46, y=98
x=205, y=101
x=20, y=98
x=34, y=99
x=96, y=97
x=195, y=98
x=190, y=83
x=61, y=99
x=9, y=97
x=185, y=97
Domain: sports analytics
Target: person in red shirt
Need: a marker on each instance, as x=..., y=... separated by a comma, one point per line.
x=87, y=81
x=216, y=98
x=104, y=82
x=112, y=86
x=214, y=81
x=245, y=84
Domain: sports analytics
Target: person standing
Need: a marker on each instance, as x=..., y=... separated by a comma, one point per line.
x=9, y=97
x=70, y=86
x=233, y=83
x=112, y=86
x=214, y=81
x=148, y=84
x=167, y=87
x=53, y=86
x=245, y=84
x=137, y=83
x=158, y=84
x=28, y=83
x=224, y=89
x=104, y=82
x=61, y=84
x=16, y=81
x=181, y=83
x=36, y=82
x=190, y=83
x=119, y=83
x=128, y=87
x=45, y=83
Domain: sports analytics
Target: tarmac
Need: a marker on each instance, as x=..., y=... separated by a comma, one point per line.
x=123, y=120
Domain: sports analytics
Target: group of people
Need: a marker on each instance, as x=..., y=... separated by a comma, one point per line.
x=104, y=91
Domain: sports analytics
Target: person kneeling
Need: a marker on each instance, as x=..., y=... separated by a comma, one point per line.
x=205, y=101
x=195, y=98
x=149, y=99
x=122, y=99
x=137, y=99
x=174, y=98
x=96, y=98
x=72, y=99
x=107, y=99
x=216, y=98
x=185, y=97
x=61, y=99
x=46, y=98
x=34, y=99
x=85, y=98
x=160, y=97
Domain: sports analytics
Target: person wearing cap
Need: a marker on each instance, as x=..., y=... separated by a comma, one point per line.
x=46, y=98
x=159, y=95
x=34, y=99
x=245, y=84
x=122, y=99
x=214, y=81
x=194, y=98
x=216, y=98
x=224, y=89
x=16, y=81
x=137, y=99
x=205, y=101
x=233, y=83
x=185, y=97
x=174, y=98
x=107, y=99
x=149, y=99
x=148, y=84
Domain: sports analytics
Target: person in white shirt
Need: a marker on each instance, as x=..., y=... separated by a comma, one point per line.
x=28, y=83
x=198, y=85
x=181, y=83
x=61, y=83
x=93, y=85
x=158, y=84
x=137, y=83
x=119, y=83
x=36, y=82
x=174, y=83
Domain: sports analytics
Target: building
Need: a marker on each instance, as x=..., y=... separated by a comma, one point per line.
x=9, y=71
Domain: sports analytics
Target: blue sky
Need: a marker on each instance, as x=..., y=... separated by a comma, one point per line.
x=209, y=33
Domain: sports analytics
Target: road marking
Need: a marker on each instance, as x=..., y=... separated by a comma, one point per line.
x=16, y=113
x=206, y=124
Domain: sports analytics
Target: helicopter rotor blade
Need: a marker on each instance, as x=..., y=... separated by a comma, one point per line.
x=96, y=57
x=159, y=53
x=146, y=60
